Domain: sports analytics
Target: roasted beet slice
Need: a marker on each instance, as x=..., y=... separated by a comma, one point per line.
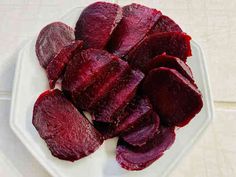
x=52, y=38
x=69, y=136
x=136, y=23
x=173, y=97
x=106, y=109
x=173, y=43
x=58, y=64
x=144, y=132
x=138, y=158
x=96, y=24
x=106, y=129
x=170, y=62
x=165, y=24
x=84, y=69
x=102, y=86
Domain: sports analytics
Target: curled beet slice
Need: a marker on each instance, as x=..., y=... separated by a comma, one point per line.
x=165, y=24
x=173, y=97
x=96, y=24
x=136, y=23
x=170, y=62
x=138, y=158
x=51, y=39
x=172, y=43
x=144, y=132
x=58, y=64
x=69, y=136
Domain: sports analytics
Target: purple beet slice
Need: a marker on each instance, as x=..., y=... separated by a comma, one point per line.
x=84, y=69
x=170, y=62
x=106, y=109
x=173, y=97
x=58, y=64
x=96, y=23
x=69, y=135
x=51, y=39
x=144, y=132
x=165, y=24
x=138, y=158
x=172, y=43
x=137, y=21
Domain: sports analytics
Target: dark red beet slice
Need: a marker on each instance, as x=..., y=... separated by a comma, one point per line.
x=84, y=69
x=136, y=23
x=173, y=97
x=144, y=132
x=165, y=24
x=170, y=62
x=173, y=43
x=106, y=109
x=102, y=86
x=58, y=64
x=69, y=136
x=52, y=38
x=96, y=24
x=138, y=158
x=106, y=129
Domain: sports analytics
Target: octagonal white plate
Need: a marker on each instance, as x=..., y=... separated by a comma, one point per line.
x=30, y=81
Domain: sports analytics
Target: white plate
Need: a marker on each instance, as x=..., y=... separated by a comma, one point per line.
x=30, y=81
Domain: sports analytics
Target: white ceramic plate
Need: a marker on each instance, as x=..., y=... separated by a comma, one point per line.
x=30, y=81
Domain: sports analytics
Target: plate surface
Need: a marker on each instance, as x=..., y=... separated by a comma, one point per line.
x=30, y=81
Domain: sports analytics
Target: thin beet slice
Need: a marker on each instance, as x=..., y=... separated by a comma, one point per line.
x=69, y=135
x=102, y=86
x=165, y=24
x=134, y=114
x=170, y=62
x=138, y=158
x=144, y=132
x=106, y=129
x=84, y=69
x=96, y=24
x=172, y=43
x=106, y=109
x=173, y=97
x=58, y=64
x=137, y=21
x=51, y=39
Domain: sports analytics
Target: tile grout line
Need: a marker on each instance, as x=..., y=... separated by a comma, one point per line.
x=5, y=95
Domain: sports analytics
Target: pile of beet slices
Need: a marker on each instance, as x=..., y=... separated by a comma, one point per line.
x=127, y=68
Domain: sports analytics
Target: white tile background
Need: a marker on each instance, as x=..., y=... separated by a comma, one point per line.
x=210, y=22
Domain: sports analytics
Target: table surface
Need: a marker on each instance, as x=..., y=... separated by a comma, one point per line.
x=212, y=23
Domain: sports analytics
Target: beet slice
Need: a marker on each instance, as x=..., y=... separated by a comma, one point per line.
x=106, y=129
x=106, y=109
x=170, y=62
x=51, y=39
x=84, y=69
x=136, y=23
x=144, y=132
x=138, y=158
x=173, y=43
x=165, y=24
x=173, y=97
x=69, y=136
x=96, y=24
x=58, y=64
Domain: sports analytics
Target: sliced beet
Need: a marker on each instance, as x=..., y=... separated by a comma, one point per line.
x=84, y=69
x=165, y=24
x=172, y=43
x=138, y=158
x=136, y=23
x=106, y=109
x=69, y=135
x=58, y=64
x=144, y=132
x=173, y=97
x=96, y=24
x=106, y=129
x=170, y=62
x=51, y=39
